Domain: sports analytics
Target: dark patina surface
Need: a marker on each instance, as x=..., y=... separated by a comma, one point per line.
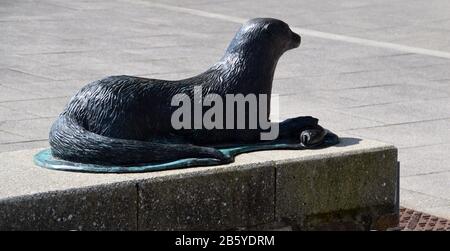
x=125, y=120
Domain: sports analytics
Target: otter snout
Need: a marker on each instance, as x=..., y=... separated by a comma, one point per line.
x=296, y=39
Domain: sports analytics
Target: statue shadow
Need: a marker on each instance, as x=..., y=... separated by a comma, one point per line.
x=347, y=141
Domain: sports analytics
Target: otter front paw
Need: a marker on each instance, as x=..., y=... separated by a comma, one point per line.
x=289, y=128
x=313, y=137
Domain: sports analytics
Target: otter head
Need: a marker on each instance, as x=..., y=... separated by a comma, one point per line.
x=264, y=35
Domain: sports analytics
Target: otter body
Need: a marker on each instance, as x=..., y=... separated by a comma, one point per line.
x=125, y=120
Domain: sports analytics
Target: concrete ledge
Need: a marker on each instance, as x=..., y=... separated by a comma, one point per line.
x=351, y=185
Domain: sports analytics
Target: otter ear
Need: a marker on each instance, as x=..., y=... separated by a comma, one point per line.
x=267, y=27
x=270, y=28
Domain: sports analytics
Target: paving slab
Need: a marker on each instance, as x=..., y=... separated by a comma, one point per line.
x=412, y=134
x=403, y=112
x=36, y=108
x=12, y=94
x=32, y=129
x=9, y=138
x=423, y=201
x=6, y=113
x=435, y=184
x=424, y=159
x=19, y=143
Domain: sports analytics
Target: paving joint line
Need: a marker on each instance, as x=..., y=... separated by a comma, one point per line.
x=425, y=194
x=23, y=141
x=403, y=123
x=424, y=174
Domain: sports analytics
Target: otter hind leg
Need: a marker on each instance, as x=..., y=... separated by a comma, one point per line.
x=172, y=144
x=197, y=151
x=211, y=152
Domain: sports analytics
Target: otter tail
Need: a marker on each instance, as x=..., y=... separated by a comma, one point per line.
x=70, y=141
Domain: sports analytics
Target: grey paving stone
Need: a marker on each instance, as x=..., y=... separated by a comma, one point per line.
x=20, y=143
x=371, y=78
x=435, y=72
x=315, y=99
x=174, y=52
x=420, y=200
x=408, y=134
x=394, y=113
x=425, y=203
x=424, y=159
x=52, y=89
x=61, y=72
x=359, y=79
x=32, y=129
x=333, y=119
x=9, y=74
x=289, y=86
x=388, y=94
x=28, y=8
x=171, y=75
x=81, y=5
x=332, y=82
x=39, y=108
x=406, y=35
x=425, y=42
x=12, y=77
x=434, y=184
x=19, y=43
x=377, y=21
x=410, y=60
x=347, y=28
x=11, y=94
x=323, y=49
x=6, y=137
x=398, y=63
x=6, y=113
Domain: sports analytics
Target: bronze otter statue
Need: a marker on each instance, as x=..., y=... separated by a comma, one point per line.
x=126, y=120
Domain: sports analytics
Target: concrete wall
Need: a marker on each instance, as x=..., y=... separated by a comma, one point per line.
x=353, y=185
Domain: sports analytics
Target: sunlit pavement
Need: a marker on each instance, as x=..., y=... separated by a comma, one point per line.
x=371, y=70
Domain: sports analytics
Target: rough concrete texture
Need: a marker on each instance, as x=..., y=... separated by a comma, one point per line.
x=256, y=190
x=320, y=190
x=111, y=207
x=226, y=200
